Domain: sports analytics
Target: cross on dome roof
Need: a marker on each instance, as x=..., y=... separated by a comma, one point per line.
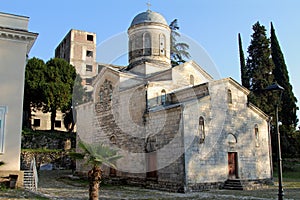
x=149, y=5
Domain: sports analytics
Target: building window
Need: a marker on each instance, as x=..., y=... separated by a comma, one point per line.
x=201, y=130
x=132, y=47
x=162, y=45
x=89, y=37
x=256, y=134
x=147, y=44
x=88, y=81
x=163, y=97
x=3, y=110
x=89, y=53
x=36, y=122
x=112, y=172
x=89, y=68
x=192, y=81
x=57, y=124
x=229, y=96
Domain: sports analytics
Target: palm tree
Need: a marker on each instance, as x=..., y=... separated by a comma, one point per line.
x=96, y=155
x=179, y=50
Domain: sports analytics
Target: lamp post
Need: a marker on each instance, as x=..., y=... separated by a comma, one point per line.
x=277, y=88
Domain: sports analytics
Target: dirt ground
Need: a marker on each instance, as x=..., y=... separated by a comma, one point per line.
x=53, y=186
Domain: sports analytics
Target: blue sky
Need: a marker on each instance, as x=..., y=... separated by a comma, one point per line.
x=213, y=24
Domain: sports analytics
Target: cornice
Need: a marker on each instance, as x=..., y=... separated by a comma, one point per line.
x=18, y=35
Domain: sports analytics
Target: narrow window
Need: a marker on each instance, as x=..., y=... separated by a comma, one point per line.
x=36, y=122
x=147, y=44
x=89, y=68
x=157, y=99
x=256, y=134
x=201, y=129
x=162, y=45
x=163, y=97
x=132, y=47
x=192, y=80
x=229, y=96
x=112, y=172
x=57, y=124
x=89, y=53
x=89, y=37
x=110, y=92
x=3, y=111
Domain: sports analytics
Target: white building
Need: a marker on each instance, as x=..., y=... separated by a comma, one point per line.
x=15, y=44
x=177, y=128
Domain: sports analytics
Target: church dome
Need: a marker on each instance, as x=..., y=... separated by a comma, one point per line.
x=148, y=16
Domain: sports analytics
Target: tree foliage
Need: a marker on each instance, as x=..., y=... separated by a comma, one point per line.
x=179, y=50
x=287, y=114
x=244, y=75
x=58, y=87
x=49, y=87
x=33, y=90
x=260, y=68
x=265, y=65
x=79, y=96
x=288, y=108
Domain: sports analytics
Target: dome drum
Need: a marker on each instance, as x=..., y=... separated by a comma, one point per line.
x=149, y=39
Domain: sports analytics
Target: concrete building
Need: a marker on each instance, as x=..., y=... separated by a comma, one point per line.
x=177, y=128
x=79, y=49
x=15, y=44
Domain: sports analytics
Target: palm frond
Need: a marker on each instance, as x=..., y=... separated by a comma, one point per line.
x=98, y=153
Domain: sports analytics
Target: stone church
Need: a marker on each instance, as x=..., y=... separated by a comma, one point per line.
x=177, y=128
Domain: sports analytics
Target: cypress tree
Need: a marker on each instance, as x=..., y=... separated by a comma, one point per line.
x=287, y=110
x=244, y=73
x=260, y=66
x=287, y=114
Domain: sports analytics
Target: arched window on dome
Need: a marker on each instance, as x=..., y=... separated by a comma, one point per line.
x=147, y=44
x=201, y=130
x=133, y=47
x=163, y=97
x=162, y=45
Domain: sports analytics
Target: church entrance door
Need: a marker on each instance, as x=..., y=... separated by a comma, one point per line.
x=232, y=165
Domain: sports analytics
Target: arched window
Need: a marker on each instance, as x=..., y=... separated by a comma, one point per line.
x=201, y=129
x=162, y=45
x=131, y=42
x=110, y=92
x=229, y=96
x=256, y=134
x=163, y=97
x=192, y=81
x=147, y=44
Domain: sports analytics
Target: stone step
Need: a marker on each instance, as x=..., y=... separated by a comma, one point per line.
x=233, y=185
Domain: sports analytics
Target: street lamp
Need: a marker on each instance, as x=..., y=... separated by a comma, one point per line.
x=277, y=88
